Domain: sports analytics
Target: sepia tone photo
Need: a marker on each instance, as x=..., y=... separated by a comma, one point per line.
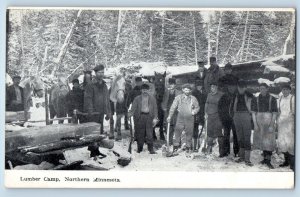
x=154, y=90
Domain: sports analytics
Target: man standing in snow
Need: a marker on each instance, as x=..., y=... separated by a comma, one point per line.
x=144, y=112
x=187, y=107
x=96, y=98
x=15, y=96
x=199, y=117
x=286, y=126
x=168, y=98
x=242, y=121
x=264, y=108
x=214, y=125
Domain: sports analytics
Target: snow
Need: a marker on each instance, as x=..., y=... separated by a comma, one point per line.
x=267, y=81
x=275, y=68
x=146, y=162
x=282, y=80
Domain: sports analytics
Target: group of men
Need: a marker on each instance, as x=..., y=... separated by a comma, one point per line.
x=215, y=99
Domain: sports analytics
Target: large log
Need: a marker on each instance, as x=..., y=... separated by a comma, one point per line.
x=11, y=116
x=45, y=134
x=70, y=143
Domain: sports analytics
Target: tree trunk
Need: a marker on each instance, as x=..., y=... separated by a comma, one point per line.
x=208, y=41
x=121, y=19
x=244, y=37
x=64, y=47
x=22, y=42
x=248, y=42
x=195, y=41
x=218, y=34
x=288, y=47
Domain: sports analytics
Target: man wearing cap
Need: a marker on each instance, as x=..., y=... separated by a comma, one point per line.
x=213, y=74
x=186, y=106
x=214, y=125
x=286, y=126
x=75, y=100
x=15, y=96
x=168, y=98
x=264, y=108
x=199, y=94
x=226, y=116
x=96, y=98
x=229, y=78
x=144, y=112
x=242, y=120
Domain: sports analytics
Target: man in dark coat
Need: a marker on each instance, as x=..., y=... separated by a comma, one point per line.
x=96, y=98
x=198, y=92
x=213, y=74
x=75, y=100
x=226, y=115
x=15, y=96
x=144, y=112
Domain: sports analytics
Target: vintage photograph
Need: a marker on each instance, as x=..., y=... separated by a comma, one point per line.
x=201, y=90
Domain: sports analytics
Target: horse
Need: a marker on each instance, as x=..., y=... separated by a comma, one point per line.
x=118, y=96
x=159, y=83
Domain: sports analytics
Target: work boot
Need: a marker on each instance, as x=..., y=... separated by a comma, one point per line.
x=140, y=148
x=286, y=160
x=119, y=136
x=247, y=158
x=188, y=152
x=195, y=148
x=151, y=149
x=268, y=163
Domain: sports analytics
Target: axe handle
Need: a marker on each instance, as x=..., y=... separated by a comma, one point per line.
x=168, y=135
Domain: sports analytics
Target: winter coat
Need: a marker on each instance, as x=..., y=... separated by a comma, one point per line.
x=201, y=98
x=164, y=104
x=137, y=107
x=286, y=124
x=75, y=100
x=212, y=75
x=96, y=98
x=11, y=96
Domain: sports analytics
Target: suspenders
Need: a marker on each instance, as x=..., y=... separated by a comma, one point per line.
x=270, y=102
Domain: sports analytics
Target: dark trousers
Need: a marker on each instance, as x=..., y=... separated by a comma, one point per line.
x=242, y=122
x=267, y=155
x=143, y=130
x=229, y=126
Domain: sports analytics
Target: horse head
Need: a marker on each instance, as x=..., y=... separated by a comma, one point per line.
x=159, y=82
x=37, y=86
x=117, y=93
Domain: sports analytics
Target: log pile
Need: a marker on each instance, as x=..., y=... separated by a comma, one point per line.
x=63, y=147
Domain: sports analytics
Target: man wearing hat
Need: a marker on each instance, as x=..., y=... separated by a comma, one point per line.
x=199, y=94
x=168, y=98
x=264, y=108
x=186, y=106
x=75, y=100
x=214, y=125
x=96, y=98
x=286, y=126
x=144, y=112
x=213, y=74
x=241, y=110
x=15, y=96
